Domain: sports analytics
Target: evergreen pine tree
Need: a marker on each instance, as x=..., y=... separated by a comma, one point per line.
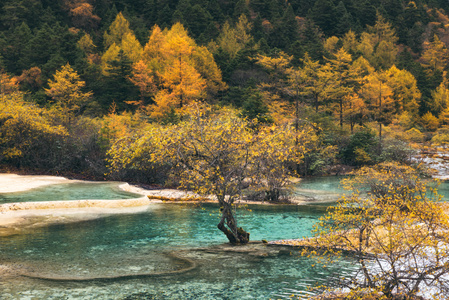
x=323, y=15
x=165, y=17
x=17, y=56
x=116, y=87
x=345, y=20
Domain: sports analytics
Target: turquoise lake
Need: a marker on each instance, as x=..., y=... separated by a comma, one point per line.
x=168, y=251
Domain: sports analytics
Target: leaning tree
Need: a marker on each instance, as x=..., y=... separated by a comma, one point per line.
x=215, y=152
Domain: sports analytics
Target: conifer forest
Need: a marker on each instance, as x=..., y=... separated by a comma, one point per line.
x=242, y=99
x=81, y=81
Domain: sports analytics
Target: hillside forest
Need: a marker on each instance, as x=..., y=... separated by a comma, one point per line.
x=119, y=89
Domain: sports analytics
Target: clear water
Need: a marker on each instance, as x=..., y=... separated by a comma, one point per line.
x=70, y=191
x=324, y=183
x=169, y=251
x=329, y=188
x=143, y=244
x=326, y=188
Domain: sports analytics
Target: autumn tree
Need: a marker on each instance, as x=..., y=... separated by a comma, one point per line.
x=82, y=14
x=180, y=77
x=117, y=31
x=143, y=78
x=66, y=90
x=378, y=96
x=277, y=67
x=344, y=79
x=86, y=44
x=27, y=134
x=120, y=37
x=396, y=232
x=405, y=90
x=182, y=70
x=215, y=153
x=440, y=103
x=378, y=43
x=435, y=56
x=354, y=110
x=316, y=81
x=31, y=79
x=209, y=154
x=232, y=39
x=8, y=85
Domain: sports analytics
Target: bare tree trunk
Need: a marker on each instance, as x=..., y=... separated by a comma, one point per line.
x=341, y=113
x=234, y=234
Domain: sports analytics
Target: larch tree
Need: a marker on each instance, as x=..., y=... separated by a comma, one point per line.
x=350, y=42
x=153, y=51
x=205, y=64
x=440, y=100
x=66, y=90
x=317, y=81
x=86, y=44
x=378, y=43
x=405, y=90
x=116, y=31
x=182, y=70
x=344, y=78
x=379, y=98
x=435, y=56
x=232, y=39
x=277, y=66
x=120, y=37
x=355, y=110
x=143, y=78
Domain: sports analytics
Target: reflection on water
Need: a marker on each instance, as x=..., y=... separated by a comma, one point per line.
x=329, y=188
x=322, y=189
x=70, y=191
x=144, y=243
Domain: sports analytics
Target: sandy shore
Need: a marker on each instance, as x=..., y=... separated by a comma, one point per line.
x=10, y=183
x=17, y=217
x=20, y=217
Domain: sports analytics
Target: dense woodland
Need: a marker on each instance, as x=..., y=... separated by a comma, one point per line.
x=87, y=85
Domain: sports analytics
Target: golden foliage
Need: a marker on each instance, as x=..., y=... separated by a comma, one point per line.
x=394, y=228
x=330, y=44
x=23, y=126
x=183, y=71
x=66, y=89
x=405, y=90
x=8, y=85
x=117, y=31
x=215, y=152
x=120, y=38
x=440, y=96
x=233, y=39
x=435, y=56
x=143, y=78
x=86, y=44
x=430, y=122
